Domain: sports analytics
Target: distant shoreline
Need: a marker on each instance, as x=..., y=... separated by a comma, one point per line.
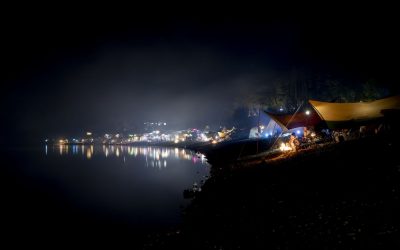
x=188, y=145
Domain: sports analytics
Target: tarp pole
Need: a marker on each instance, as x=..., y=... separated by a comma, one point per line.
x=258, y=127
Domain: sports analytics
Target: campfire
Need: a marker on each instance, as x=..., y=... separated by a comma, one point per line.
x=284, y=147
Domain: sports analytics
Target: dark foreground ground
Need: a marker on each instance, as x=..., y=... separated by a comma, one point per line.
x=344, y=196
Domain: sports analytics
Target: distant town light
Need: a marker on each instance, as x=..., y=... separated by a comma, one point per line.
x=281, y=109
x=88, y=133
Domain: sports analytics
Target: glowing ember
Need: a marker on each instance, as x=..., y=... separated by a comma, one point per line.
x=284, y=147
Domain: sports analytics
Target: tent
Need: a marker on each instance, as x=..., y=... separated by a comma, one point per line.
x=271, y=129
x=254, y=133
x=338, y=115
x=299, y=119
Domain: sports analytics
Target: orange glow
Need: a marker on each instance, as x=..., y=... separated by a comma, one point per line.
x=284, y=147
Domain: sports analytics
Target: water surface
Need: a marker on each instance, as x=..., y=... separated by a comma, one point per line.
x=107, y=190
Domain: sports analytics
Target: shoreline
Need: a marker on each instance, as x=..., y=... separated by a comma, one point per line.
x=191, y=145
x=338, y=196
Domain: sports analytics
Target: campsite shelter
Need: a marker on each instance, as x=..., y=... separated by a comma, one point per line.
x=338, y=115
x=304, y=118
x=345, y=115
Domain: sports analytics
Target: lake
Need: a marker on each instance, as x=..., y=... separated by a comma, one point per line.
x=72, y=192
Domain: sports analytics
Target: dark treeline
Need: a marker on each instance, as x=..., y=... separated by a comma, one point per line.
x=286, y=93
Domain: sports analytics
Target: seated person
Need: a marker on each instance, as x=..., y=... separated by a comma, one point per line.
x=293, y=142
x=308, y=135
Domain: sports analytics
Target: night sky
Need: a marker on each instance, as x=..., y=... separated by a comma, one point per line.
x=65, y=73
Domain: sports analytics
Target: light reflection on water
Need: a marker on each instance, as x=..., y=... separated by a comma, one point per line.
x=155, y=156
x=140, y=187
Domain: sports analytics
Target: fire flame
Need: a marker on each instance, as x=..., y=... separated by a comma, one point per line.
x=284, y=147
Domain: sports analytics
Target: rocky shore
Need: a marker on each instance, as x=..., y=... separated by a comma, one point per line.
x=343, y=196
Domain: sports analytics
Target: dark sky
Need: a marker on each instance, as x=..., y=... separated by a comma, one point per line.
x=67, y=72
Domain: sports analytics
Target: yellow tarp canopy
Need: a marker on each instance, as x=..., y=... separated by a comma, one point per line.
x=360, y=111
